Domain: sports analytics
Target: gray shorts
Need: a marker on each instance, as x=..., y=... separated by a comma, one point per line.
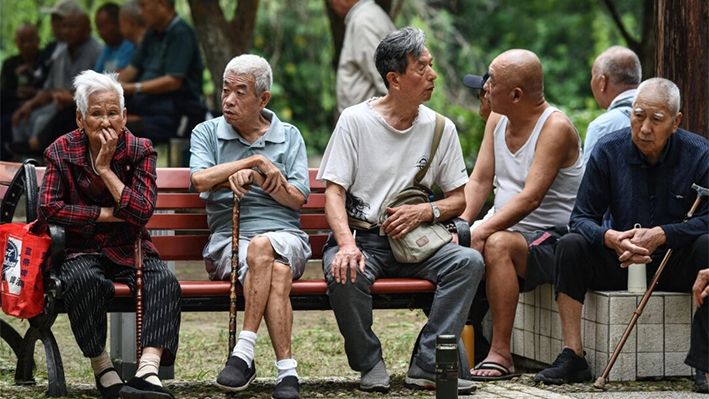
x=540, y=259
x=292, y=247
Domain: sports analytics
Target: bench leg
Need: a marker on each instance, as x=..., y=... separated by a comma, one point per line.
x=56, y=383
x=11, y=336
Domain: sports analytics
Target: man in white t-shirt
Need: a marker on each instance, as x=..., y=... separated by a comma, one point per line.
x=533, y=153
x=377, y=148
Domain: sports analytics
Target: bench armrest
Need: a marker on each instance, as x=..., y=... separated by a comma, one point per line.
x=52, y=283
x=24, y=181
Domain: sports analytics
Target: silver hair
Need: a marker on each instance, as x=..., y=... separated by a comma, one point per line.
x=393, y=51
x=620, y=65
x=254, y=65
x=663, y=90
x=89, y=82
x=130, y=8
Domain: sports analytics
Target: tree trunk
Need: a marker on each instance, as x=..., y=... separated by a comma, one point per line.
x=682, y=54
x=645, y=47
x=222, y=40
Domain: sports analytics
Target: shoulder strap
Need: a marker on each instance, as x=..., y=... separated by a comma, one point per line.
x=437, y=134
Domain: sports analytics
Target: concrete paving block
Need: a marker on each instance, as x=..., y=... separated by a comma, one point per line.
x=654, y=311
x=623, y=368
x=519, y=316
x=621, y=309
x=589, y=306
x=529, y=298
x=599, y=363
x=651, y=365
x=678, y=308
x=616, y=332
x=545, y=323
x=555, y=325
x=546, y=296
x=545, y=353
x=529, y=321
x=537, y=319
x=674, y=364
x=677, y=337
x=602, y=303
x=589, y=334
x=518, y=341
x=522, y=298
x=556, y=348
x=651, y=338
x=529, y=345
x=602, y=332
x=591, y=360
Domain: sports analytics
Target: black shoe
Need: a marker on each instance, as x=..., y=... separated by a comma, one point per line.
x=111, y=391
x=700, y=382
x=288, y=388
x=568, y=367
x=236, y=375
x=139, y=388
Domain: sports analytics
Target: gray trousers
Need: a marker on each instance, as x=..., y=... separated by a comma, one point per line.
x=89, y=287
x=455, y=270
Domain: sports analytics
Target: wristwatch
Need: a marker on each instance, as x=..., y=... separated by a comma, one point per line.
x=436, y=212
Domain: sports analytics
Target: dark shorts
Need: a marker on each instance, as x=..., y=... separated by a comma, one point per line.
x=540, y=260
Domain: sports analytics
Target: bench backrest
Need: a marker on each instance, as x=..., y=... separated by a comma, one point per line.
x=179, y=225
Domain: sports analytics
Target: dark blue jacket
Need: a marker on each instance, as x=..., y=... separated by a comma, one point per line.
x=619, y=177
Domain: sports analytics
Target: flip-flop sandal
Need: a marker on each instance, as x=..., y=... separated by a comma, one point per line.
x=505, y=373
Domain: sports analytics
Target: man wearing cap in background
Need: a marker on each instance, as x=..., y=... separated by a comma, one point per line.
x=615, y=75
x=533, y=152
x=366, y=24
x=52, y=111
x=478, y=82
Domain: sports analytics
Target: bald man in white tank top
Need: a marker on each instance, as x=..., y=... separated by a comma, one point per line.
x=533, y=151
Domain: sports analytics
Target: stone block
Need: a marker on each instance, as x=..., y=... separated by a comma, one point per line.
x=677, y=337
x=555, y=325
x=518, y=341
x=602, y=332
x=651, y=338
x=519, y=316
x=545, y=353
x=678, y=308
x=654, y=311
x=591, y=360
x=616, y=332
x=556, y=348
x=589, y=306
x=546, y=296
x=602, y=303
x=529, y=321
x=623, y=368
x=674, y=365
x=651, y=365
x=588, y=335
x=621, y=309
x=545, y=323
x=529, y=345
x=599, y=363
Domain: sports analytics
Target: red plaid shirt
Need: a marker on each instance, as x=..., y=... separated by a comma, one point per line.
x=72, y=195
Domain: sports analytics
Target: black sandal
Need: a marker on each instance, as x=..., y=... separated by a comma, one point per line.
x=109, y=392
x=139, y=388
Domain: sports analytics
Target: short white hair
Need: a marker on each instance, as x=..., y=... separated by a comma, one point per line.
x=88, y=82
x=663, y=90
x=254, y=65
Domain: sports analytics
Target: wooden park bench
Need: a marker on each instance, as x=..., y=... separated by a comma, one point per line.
x=181, y=219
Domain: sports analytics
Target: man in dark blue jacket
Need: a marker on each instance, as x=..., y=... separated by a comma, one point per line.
x=643, y=175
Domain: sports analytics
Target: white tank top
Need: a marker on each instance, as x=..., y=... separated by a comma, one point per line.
x=511, y=173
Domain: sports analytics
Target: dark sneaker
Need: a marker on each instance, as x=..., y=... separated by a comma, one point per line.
x=236, y=375
x=700, y=382
x=420, y=378
x=376, y=379
x=568, y=367
x=288, y=388
x=138, y=388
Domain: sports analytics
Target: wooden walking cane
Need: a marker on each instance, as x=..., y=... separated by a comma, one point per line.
x=138, y=252
x=234, y=271
x=601, y=381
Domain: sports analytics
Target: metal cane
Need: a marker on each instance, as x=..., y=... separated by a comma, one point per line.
x=234, y=268
x=601, y=381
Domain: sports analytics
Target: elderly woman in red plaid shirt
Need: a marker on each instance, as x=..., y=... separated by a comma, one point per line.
x=100, y=185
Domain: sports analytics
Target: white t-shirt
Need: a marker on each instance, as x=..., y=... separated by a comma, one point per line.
x=373, y=161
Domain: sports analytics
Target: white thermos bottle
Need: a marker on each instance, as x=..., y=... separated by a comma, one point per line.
x=637, y=279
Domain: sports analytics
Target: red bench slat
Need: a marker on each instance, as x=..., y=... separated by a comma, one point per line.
x=178, y=221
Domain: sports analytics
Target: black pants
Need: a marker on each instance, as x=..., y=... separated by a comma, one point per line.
x=581, y=267
x=89, y=287
x=698, y=356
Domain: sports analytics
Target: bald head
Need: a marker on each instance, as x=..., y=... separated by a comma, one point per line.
x=620, y=65
x=27, y=41
x=522, y=69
